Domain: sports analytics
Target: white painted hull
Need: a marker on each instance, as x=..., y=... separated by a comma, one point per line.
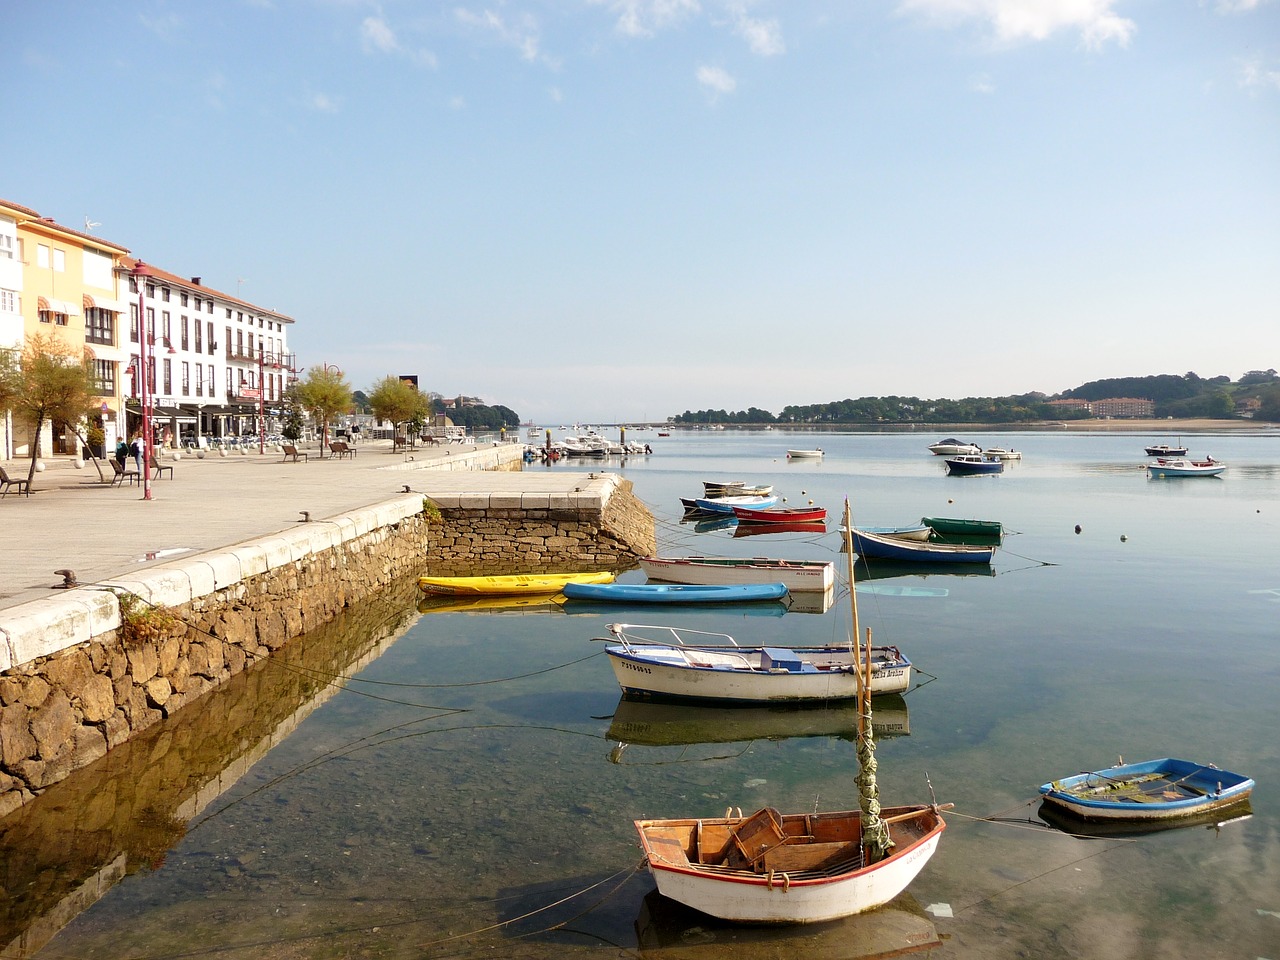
x=799, y=577
x=668, y=671
x=805, y=454
x=742, y=896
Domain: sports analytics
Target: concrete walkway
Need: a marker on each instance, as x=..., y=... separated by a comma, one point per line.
x=74, y=521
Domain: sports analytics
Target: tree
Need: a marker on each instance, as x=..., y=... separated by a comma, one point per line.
x=47, y=382
x=398, y=401
x=325, y=395
x=291, y=428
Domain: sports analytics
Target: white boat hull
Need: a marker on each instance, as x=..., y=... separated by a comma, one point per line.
x=655, y=670
x=799, y=577
x=742, y=896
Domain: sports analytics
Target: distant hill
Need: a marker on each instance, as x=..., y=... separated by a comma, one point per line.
x=1255, y=394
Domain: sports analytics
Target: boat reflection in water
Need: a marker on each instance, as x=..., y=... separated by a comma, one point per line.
x=660, y=724
x=756, y=529
x=1065, y=821
x=893, y=569
x=540, y=603
x=667, y=930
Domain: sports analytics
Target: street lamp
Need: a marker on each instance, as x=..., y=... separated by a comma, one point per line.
x=140, y=272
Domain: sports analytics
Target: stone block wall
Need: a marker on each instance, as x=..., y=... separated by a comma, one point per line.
x=491, y=536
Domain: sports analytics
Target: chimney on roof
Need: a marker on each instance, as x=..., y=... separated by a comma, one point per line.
x=196, y=281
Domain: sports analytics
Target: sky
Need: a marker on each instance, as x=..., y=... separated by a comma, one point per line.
x=606, y=211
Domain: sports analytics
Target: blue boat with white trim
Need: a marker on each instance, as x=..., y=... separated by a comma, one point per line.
x=1152, y=790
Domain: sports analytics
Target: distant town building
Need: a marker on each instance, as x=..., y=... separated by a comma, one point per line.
x=1123, y=407
x=1071, y=403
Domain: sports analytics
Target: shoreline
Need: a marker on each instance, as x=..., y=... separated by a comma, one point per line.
x=1159, y=427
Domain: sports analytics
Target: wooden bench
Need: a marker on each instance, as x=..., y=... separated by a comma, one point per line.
x=7, y=481
x=120, y=474
x=339, y=448
x=290, y=451
x=160, y=468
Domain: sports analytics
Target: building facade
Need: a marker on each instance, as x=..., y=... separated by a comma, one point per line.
x=62, y=283
x=217, y=366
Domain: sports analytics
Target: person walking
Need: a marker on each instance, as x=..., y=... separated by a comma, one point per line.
x=122, y=452
x=135, y=448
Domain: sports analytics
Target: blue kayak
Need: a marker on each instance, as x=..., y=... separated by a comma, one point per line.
x=675, y=592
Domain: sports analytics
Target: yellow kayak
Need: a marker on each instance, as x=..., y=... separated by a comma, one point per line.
x=506, y=585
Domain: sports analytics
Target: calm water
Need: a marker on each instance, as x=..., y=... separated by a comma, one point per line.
x=472, y=802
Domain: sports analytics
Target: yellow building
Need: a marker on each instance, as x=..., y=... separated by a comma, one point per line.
x=67, y=288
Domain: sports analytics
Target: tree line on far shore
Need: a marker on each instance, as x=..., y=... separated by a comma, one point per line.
x=1256, y=394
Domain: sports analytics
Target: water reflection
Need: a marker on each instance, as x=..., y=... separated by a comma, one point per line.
x=1065, y=821
x=648, y=723
x=667, y=930
x=68, y=847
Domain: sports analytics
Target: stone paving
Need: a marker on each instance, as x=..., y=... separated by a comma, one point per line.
x=74, y=521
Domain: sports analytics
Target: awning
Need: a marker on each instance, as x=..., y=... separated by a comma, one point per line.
x=104, y=303
x=57, y=306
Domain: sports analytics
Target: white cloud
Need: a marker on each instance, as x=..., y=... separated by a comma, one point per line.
x=521, y=33
x=764, y=37
x=1254, y=74
x=1016, y=21
x=377, y=35
x=164, y=27
x=324, y=103
x=982, y=83
x=716, y=80
x=1238, y=6
x=644, y=18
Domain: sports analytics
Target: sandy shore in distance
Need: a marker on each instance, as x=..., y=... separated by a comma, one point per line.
x=1167, y=426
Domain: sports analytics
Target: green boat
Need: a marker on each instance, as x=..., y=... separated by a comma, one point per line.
x=950, y=529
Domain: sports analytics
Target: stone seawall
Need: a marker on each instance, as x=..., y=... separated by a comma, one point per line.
x=93, y=668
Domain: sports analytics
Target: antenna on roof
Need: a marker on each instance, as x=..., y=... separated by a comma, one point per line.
x=90, y=224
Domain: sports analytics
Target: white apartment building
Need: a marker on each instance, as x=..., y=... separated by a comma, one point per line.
x=217, y=366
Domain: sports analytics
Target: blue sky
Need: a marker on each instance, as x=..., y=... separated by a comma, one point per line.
x=612, y=210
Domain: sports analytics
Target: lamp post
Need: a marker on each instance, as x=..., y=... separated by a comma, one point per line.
x=140, y=272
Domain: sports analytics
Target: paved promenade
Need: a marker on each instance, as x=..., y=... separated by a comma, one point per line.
x=74, y=521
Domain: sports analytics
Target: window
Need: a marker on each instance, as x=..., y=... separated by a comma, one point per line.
x=184, y=298
x=212, y=381
x=186, y=323
x=59, y=260
x=151, y=327
x=6, y=246
x=239, y=343
x=199, y=339
x=8, y=301
x=186, y=379
x=133, y=322
x=164, y=294
x=42, y=256
x=228, y=313
x=166, y=329
x=151, y=291
x=100, y=326
x=212, y=346
x=104, y=376
x=168, y=375
x=231, y=383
